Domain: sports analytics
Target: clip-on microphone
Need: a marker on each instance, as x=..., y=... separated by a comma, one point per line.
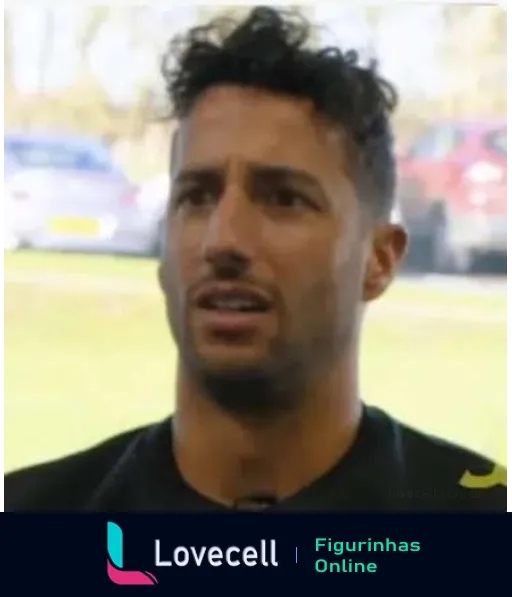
x=255, y=502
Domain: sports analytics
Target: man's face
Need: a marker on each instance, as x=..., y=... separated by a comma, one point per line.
x=268, y=246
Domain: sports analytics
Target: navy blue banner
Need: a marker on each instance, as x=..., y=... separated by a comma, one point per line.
x=242, y=553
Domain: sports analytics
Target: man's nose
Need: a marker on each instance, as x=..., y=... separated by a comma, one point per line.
x=230, y=232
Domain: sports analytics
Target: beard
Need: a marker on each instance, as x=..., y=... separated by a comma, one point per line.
x=261, y=388
x=271, y=386
x=311, y=334
x=251, y=394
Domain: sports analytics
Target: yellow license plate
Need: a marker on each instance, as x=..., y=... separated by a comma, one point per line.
x=84, y=227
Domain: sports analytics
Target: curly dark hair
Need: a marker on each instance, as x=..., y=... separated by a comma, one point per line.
x=270, y=49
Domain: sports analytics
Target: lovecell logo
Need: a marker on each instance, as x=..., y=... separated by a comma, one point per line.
x=116, y=573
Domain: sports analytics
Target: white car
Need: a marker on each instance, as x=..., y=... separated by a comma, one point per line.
x=12, y=239
x=16, y=221
x=65, y=192
x=151, y=201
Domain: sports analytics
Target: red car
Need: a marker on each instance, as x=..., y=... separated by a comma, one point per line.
x=453, y=192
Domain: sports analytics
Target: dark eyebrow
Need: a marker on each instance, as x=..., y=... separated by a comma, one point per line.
x=199, y=174
x=289, y=174
x=285, y=172
x=276, y=172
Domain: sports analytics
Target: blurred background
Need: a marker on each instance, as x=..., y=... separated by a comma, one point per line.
x=86, y=152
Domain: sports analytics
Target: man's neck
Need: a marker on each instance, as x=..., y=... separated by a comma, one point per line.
x=226, y=458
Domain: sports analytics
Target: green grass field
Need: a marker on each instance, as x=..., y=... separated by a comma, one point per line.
x=88, y=354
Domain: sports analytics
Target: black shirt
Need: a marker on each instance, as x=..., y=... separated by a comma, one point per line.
x=391, y=467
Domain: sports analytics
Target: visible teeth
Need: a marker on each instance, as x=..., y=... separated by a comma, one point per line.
x=234, y=304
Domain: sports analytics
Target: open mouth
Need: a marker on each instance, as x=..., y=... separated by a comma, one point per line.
x=233, y=300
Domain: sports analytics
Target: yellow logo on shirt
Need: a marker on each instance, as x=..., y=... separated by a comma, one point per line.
x=498, y=476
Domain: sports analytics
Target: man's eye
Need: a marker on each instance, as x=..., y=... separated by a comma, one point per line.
x=288, y=198
x=195, y=197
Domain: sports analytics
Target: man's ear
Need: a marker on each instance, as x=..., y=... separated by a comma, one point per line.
x=389, y=246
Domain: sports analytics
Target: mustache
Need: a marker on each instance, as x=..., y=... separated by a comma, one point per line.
x=248, y=282
x=226, y=268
